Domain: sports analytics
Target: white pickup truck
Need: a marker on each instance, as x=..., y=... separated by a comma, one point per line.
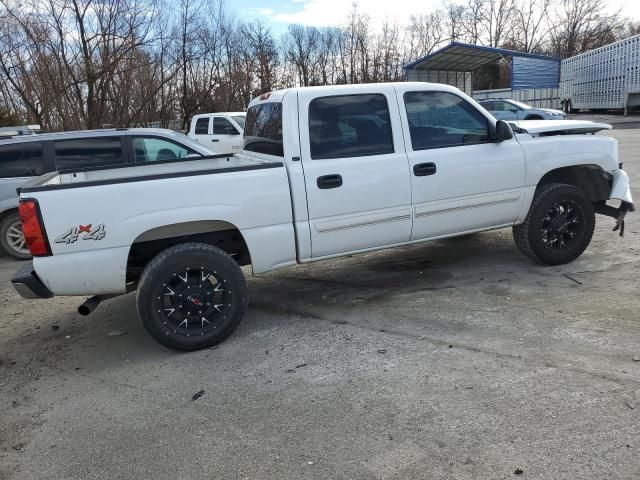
x=324, y=172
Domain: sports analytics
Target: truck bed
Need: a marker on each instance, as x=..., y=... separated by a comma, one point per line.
x=133, y=204
x=86, y=177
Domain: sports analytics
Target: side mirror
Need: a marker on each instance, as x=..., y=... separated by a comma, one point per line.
x=503, y=131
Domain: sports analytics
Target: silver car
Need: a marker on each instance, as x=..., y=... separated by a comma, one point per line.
x=26, y=156
x=507, y=109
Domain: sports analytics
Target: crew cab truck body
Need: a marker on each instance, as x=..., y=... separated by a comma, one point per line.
x=325, y=172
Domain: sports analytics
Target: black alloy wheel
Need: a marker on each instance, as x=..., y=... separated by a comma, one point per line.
x=191, y=296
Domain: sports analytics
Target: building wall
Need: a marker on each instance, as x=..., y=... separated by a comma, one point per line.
x=532, y=73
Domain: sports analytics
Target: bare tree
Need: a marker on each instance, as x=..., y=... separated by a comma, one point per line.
x=426, y=32
x=530, y=26
x=581, y=25
x=70, y=64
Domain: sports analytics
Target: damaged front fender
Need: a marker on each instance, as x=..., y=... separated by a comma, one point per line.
x=619, y=191
x=620, y=188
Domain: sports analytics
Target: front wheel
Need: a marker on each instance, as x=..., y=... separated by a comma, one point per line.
x=559, y=225
x=11, y=238
x=191, y=296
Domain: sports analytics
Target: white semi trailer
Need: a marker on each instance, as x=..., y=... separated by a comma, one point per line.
x=605, y=78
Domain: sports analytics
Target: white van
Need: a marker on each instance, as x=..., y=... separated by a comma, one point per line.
x=219, y=132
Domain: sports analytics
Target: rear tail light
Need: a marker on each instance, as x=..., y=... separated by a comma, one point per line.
x=33, y=229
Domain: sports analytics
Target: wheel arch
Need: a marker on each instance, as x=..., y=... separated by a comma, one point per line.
x=591, y=179
x=219, y=233
x=7, y=211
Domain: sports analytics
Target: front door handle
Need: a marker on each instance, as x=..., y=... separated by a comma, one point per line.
x=424, y=169
x=215, y=140
x=329, y=181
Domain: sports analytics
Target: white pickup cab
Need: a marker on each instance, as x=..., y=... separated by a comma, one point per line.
x=219, y=132
x=323, y=172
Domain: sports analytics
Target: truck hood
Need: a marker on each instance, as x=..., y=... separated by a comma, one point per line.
x=552, y=111
x=557, y=127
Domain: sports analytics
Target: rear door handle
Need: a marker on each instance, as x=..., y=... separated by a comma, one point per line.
x=424, y=169
x=215, y=140
x=329, y=181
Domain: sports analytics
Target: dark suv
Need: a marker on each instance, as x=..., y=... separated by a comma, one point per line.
x=23, y=157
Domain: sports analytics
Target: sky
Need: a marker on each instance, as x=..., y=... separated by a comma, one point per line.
x=277, y=14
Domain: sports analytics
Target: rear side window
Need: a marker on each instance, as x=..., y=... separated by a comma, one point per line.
x=263, y=129
x=222, y=126
x=88, y=152
x=350, y=126
x=442, y=119
x=202, y=126
x=150, y=149
x=503, y=107
x=21, y=160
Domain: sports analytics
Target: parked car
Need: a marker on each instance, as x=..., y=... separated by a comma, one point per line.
x=507, y=109
x=25, y=156
x=220, y=132
x=19, y=130
x=325, y=172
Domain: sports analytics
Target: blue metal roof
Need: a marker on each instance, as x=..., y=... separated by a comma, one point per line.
x=478, y=52
x=529, y=70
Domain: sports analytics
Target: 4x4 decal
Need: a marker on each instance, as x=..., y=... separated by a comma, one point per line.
x=84, y=232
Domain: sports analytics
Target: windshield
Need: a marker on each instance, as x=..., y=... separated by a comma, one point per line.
x=521, y=105
x=239, y=119
x=263, y=129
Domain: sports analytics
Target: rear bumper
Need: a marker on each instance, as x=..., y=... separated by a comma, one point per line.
x=28, y=285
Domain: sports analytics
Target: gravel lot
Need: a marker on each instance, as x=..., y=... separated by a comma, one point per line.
x=453, y=359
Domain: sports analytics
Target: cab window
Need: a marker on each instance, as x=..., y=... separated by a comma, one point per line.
x=21, y=160
x=151, y=149
x=222, y=126
x=202, y=126
x=350, y=126
x=263, y=129
x=88, y=152
x=442, y=119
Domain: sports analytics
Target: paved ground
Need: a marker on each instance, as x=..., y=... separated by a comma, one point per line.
x=455, y=359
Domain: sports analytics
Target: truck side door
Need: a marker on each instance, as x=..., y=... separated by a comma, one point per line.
x=355, y=169
x=201, y=130
x=461, y=179
x=226, y=138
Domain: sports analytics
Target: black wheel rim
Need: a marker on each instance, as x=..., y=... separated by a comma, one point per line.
x=562, y=225
x=194, y=301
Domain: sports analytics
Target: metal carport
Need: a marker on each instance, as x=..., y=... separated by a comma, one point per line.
x=455, y=64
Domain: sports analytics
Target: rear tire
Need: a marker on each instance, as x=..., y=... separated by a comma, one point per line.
x=191, y=296
x=11, y=237
x=559, y=225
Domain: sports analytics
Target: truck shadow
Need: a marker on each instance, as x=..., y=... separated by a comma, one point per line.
x=315, y=289
x=317, y=292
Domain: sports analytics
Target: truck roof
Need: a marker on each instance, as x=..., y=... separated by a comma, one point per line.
x=88, y=133
x=231, y=114
x=277, y=95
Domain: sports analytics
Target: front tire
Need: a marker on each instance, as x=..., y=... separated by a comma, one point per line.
x=191, y=296
x=559, y=225
x=11, y=238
